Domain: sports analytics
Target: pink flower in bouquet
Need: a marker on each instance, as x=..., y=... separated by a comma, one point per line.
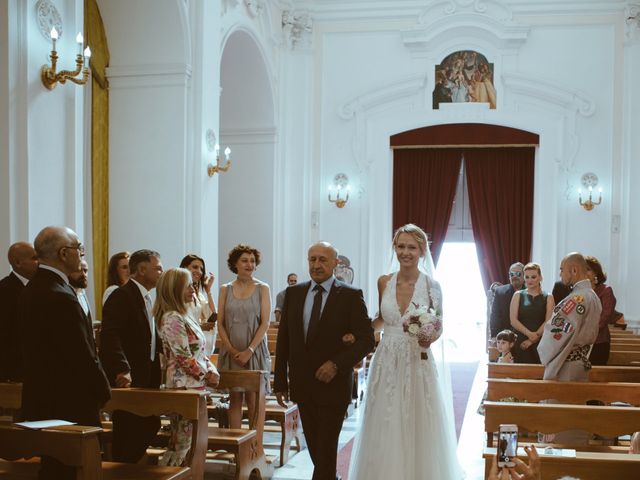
x=425, y=324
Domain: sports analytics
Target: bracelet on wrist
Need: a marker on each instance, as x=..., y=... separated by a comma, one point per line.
x=251, y=349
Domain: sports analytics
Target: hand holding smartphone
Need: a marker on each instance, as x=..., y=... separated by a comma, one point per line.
x=507, y=445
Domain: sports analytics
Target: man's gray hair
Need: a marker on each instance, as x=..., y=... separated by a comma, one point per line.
x=517, y=265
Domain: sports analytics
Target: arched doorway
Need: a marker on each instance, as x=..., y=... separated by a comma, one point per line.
x=246, y=126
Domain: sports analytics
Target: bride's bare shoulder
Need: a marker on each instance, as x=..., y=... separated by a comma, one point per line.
x=383, y=280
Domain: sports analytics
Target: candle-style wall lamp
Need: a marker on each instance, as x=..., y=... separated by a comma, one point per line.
x=342, y=189
x=217, y=168
x=49, y=74
x=589, y=181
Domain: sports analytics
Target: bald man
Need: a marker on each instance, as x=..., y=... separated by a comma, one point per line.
x=63, y=378
x=313, y=365
x=24, y=264
x=569, y=334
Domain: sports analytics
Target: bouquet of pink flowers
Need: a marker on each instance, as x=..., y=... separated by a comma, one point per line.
x=425, y=324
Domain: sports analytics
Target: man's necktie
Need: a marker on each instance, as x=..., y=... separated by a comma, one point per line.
x=152, y=327
x=314, y=320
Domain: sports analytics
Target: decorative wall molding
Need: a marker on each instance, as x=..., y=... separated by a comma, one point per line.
x=246, y=136
x=407, y=10
x=632, y=22
x=384, y=95
x=297, y=28
x=570, y=99
x=459, y=20
x=254, y=7
x=47, y=17
x=152, y=75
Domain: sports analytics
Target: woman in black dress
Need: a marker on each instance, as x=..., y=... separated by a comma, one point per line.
x=529, y=310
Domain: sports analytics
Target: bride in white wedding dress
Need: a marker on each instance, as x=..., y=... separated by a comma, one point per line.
x=407, y=430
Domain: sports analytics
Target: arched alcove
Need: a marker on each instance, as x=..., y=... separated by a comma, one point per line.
x=246, y=195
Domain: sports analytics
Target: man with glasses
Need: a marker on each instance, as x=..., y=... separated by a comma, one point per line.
x=499, y=319
x=63, y=378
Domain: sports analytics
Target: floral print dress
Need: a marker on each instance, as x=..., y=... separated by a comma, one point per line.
x=187, y=364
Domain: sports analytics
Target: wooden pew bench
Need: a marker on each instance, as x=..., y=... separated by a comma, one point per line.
x=565, y=392
x=191, y=404
x=73, y=445
x=288, y=425
x=585, y=466
x=552, y=418
x=624, y=357
x=535, y=372
x=244, y=446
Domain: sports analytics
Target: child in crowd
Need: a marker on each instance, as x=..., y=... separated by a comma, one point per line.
x=505, y=340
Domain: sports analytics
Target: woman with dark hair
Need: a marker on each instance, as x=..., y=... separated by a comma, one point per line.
x=203, y=305
x=117, y=273
x=243, y=318
x=602, y=346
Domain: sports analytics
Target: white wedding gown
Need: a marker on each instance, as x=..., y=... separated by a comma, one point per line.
x=406, y=433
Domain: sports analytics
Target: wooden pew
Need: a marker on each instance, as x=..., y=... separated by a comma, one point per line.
x=76, y=446
x=551, y=418
x=534, y=372
x=245, y=445
x=566, y=392
x=624, y=357
x=585, y=466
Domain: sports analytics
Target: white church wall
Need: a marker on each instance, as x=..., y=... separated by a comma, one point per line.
x=43, y=161
x=391, y=91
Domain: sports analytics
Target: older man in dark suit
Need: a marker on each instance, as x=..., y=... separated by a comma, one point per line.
x=313, y=365
x=499, y=319
x=24, y=265
x=63, y=378
x=130, y=348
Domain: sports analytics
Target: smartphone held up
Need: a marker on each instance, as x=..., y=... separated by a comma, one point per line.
x=507, y=445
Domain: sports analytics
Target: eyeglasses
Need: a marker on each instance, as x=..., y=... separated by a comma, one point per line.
x=79, y=247
x=515, y=274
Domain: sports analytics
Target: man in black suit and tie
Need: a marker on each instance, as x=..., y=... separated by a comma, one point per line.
x=499, y=319
x=24, y=265
x=313, y=365
x=63, y=378
x=130, y=348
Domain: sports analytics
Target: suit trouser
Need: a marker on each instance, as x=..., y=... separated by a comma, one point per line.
x=132, y=435
x=322, y=425
x=600, y=353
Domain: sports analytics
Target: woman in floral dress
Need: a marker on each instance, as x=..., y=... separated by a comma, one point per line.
x=184, y=343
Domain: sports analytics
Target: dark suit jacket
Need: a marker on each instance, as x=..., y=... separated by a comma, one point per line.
x=63, y=378
x=499, y=319
x=10, y=357
x=125, y=338
x=297, y=360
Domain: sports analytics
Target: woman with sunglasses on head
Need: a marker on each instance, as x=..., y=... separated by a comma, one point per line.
x=529, y=309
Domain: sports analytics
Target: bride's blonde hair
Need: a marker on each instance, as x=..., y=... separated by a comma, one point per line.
x=416, y=232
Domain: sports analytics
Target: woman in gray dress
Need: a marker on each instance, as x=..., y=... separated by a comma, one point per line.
x=244, y=306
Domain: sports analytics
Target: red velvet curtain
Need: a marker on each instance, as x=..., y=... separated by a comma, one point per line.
x=424, y=187
x=500, y=183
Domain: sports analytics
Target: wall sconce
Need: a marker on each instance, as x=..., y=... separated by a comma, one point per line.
x=341, y=183
x=50, y=77
x=589, y=180
x=217, y=168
